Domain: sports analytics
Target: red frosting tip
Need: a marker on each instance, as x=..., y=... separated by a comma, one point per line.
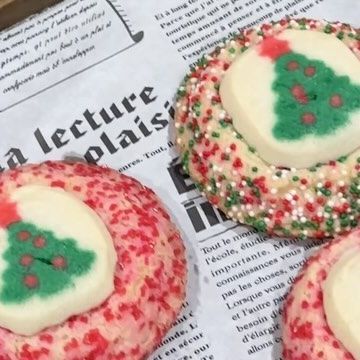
x=8, y=213
x=274, y=48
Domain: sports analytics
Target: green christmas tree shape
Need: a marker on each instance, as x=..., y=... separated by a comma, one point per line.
x=40, y=264
x=311, y=98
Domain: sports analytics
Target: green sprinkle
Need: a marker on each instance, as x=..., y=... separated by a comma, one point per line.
x=202, y=62
x=353, y=204
x=234, y=197
x=325, y=191
x=254, y=169
x=223, y=123
x=215, y=134
x=256, y=192
x=251, y=149
x=286, y=232
x=249, y=182
x=342, y=159
x=354, y=189
x=260, y=225
x=353, y=223
x=302, y=22
x=196, y=108
x=199, y=186
x=340, y=35
x=295, y=178
x=213, y=186
x=232, y=50
x=181, y=93
x=185, y=161
x=328, y=29
x=191, y=143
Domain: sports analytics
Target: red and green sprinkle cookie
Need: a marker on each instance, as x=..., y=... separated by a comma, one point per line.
x=317, y=201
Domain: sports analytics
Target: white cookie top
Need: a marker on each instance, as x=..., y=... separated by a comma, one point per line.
x=341, y=301
x=298, y=105
x=56, y=260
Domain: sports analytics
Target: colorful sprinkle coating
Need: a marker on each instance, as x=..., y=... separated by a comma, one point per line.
x=149, y=279
x=317, y=202
x=306, y=334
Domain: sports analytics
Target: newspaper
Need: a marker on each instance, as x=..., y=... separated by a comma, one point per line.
x=95, y=79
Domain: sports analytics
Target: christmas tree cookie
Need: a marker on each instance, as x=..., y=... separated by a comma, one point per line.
x=57, y=260
x=293, y=100
x=91, y=266
x=268, y=127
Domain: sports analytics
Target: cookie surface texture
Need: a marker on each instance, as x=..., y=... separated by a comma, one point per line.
x=52, y=262
x=309, y=329
x=268, y=128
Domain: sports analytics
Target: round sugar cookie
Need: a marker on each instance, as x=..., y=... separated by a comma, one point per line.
x=91, y=266
x=320, y=314
x=268, y=127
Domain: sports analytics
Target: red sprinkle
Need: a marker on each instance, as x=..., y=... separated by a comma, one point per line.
x=310, y=71
x=303, y=331
x=292, y=65
x=31, y=281
x=304, y=304
x=308, y=118
x=298, y=92
x=58, y=183
x=26, y=260
x=23, y=235
x=336, y=101
x=237, y=163
x=59, y=262
x=39, y=242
